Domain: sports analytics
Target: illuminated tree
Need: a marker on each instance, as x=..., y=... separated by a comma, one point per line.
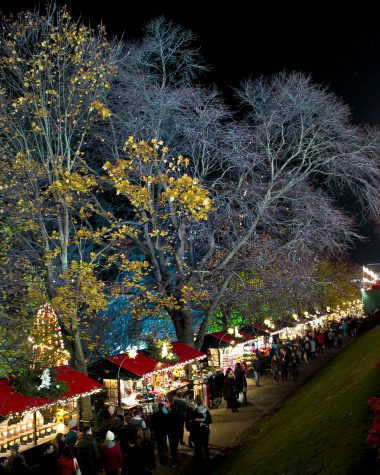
x=54, y=77
x=273, y=180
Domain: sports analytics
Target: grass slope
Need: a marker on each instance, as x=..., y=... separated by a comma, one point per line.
x=322, y=428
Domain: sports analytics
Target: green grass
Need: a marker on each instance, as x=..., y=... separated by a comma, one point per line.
x=322, y=428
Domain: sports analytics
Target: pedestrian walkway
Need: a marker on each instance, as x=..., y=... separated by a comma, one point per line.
x=229, y=429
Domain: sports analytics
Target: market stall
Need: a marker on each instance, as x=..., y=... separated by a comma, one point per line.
x=31, y=421
x=225, y=349
x=135, y=379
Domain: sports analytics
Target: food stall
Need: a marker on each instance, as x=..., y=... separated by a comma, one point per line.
x=32, y=421
x=225, y=349
x=135, y=379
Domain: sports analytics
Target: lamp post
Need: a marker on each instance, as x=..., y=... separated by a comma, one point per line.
x=130, y=354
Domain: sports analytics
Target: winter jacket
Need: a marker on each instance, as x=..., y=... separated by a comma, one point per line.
x=110, y=456
x=88, y=455
x=65, y=466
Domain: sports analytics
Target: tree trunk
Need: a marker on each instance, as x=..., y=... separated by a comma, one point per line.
x=183, y=324
x=80, y=364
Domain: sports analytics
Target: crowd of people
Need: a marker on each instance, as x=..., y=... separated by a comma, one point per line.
x=130, y=445
x=131, y=450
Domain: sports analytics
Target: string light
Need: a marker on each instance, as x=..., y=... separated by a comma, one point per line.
x=54, y=403
x=176, y=366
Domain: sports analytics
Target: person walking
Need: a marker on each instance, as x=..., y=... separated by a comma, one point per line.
x=174, y=433
x=110, y=455
x=276, y=368
x=88, y=453
x=229, y=390
x=180, y=402
x=258, y=365
x=241, y=382
x=202, y=422
x=158, y=425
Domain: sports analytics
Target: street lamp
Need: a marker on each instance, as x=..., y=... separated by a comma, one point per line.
x=130, y=354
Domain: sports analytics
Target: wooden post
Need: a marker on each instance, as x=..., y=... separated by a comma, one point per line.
x=35, y=427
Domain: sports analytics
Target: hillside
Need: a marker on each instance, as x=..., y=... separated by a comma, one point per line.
x=323, y=427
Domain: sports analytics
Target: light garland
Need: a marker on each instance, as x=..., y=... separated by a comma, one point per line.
x=176, y=366
x=354, y=306
x=53, y=403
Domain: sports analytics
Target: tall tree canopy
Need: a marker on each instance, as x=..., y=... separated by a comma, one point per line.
x=122, y=175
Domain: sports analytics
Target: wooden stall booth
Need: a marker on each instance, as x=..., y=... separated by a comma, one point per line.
x=134, y=379
x=225, y=349
x=31, y=421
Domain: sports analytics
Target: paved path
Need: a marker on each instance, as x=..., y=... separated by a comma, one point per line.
x=228, y=429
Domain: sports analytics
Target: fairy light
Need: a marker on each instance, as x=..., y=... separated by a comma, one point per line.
x=176, y=366
x=56, y=402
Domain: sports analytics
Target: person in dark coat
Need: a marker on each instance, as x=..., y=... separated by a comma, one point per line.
x=258, y=366
x=48, y=460
x=230, y=390
x=202, y=422
x=180, y=402
x=148, y=452
x=19, y=467
x=158, y=426
x=125, y=434
x=87, y=453
x=174, y=433
x=219, y=384
x=15, y=454
x=241, y=381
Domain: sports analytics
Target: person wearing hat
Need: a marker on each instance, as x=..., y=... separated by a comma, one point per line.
x=71, y=436
x=15, y=454
x=110, y=455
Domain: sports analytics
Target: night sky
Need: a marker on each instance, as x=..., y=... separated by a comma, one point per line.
x=339, y=46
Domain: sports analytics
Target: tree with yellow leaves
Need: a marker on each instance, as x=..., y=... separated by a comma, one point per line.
x=55, y=74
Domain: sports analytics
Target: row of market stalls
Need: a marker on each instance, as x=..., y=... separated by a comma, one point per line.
x=125, y=381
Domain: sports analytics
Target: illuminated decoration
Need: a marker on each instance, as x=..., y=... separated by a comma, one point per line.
x=373, y=275
x=237, y=334
x=177, y=366
x=161, y=350
x=38, y=382
x=230, y=331
x=352, y=308
x=132, y=353
x=14, y=404
x=50, y=341
x=269, y=323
